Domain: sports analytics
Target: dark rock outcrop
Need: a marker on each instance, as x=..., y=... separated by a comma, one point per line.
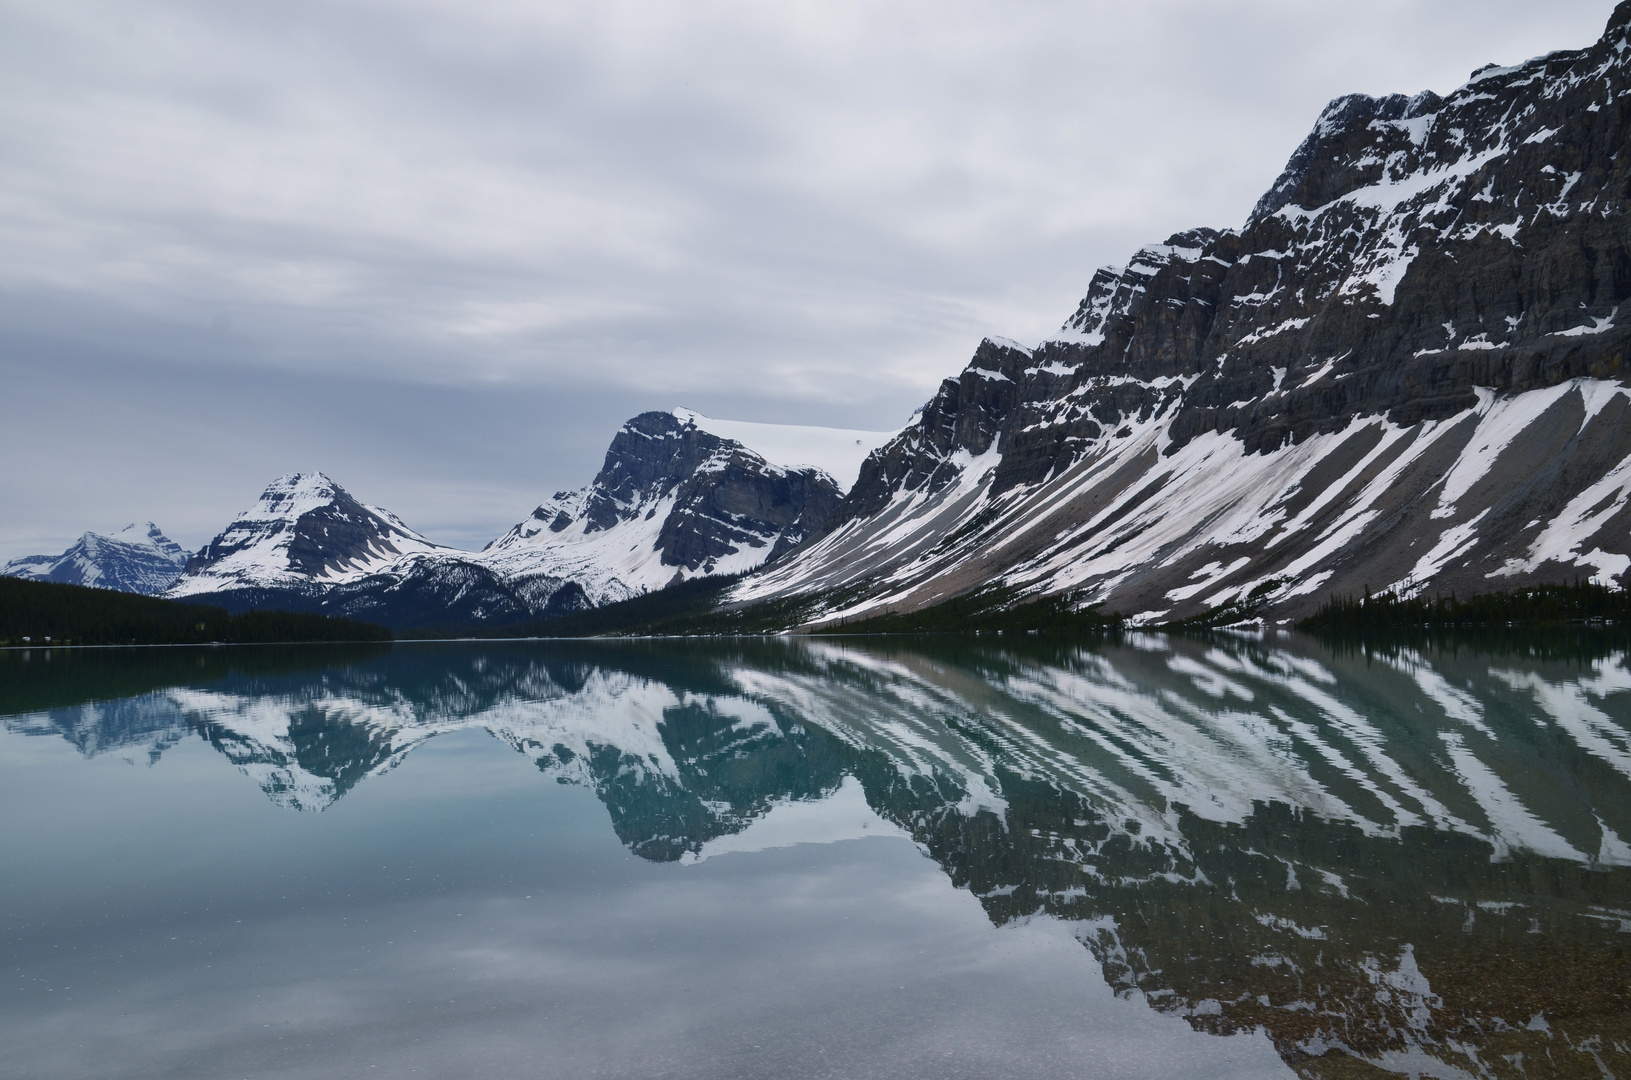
x=672, y=500
x=724, y=495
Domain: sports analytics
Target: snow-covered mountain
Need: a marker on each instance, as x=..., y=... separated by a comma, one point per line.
x=137, y=558
x=308, y=545
x=1407, y=371
x=305, y=529
x=679, y=496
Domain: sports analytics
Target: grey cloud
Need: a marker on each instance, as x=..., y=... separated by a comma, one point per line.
x=539, y=219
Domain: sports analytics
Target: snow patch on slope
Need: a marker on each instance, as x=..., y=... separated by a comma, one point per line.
x=610, y=564
x=1207, y=503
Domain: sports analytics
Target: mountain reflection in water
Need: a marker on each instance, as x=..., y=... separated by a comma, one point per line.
x=1394, y=860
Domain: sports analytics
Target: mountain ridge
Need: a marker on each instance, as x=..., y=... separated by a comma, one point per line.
x=1406, y=371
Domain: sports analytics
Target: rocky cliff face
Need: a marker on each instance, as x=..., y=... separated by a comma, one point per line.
x=1408, y=370
x=673, y=500
x=137, y=558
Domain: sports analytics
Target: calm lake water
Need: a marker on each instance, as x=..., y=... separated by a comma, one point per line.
x=1146, y=858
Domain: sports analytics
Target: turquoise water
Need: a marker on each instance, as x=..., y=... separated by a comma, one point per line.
x=1148, y=858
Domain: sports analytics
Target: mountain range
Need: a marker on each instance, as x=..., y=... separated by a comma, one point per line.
x=679, y=496
x=1406, y=372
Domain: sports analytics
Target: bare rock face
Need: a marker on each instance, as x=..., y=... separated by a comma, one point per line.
x=1407, y=370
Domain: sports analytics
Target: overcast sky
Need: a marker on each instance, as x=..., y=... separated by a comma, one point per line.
x=440, y=249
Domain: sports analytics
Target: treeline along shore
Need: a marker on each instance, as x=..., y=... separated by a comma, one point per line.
x=34, y=613
x=45, y=613
x=1579, y=603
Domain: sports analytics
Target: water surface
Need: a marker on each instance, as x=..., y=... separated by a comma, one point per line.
x=1147, y=858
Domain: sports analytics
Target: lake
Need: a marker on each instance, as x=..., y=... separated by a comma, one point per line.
x=994, y=857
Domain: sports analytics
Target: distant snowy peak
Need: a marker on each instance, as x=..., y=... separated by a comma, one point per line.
x=838, y=452
x=304, y=529
x=137, y=558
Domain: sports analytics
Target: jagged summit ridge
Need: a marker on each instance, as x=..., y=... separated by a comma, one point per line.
x=1309, y=167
